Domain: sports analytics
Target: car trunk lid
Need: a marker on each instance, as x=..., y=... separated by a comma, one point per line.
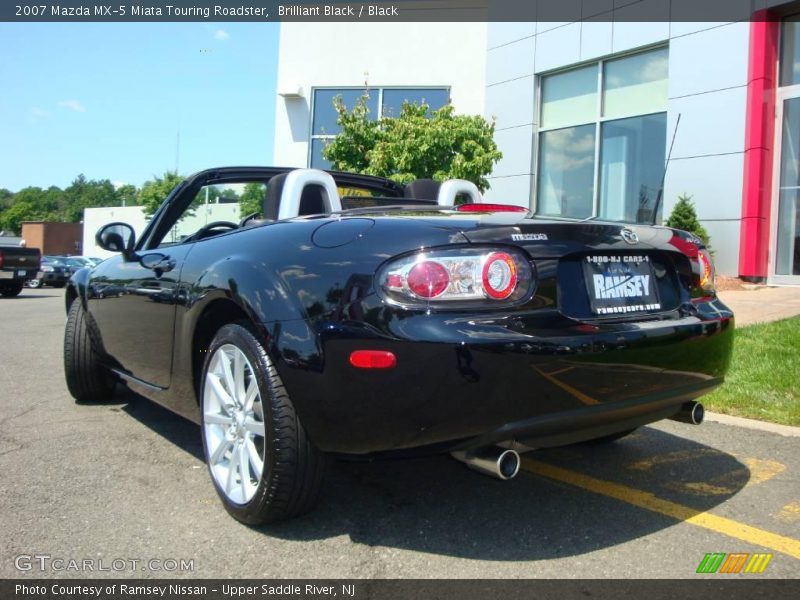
x=598, y=270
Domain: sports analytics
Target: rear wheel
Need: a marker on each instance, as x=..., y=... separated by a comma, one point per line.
x=87, y=380
x=34, y=283
x=263, y=465
x=9, y=290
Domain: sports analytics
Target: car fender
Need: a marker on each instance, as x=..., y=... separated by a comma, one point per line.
x=255, y=287
x=258, y=294
x=76, y=287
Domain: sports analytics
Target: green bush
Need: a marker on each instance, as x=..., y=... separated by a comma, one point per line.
x=419, y=143
x=684, y=217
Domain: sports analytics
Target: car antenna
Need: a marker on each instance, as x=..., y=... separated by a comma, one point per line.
x=664, y=175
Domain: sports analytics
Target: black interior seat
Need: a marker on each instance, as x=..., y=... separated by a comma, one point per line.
x=312, y=200
x=272, y=197
x=422, y=189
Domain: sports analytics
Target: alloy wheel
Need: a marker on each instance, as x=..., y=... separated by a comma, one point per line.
x=233, y=422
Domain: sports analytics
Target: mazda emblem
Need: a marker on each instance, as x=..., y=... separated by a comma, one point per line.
x=629, y=235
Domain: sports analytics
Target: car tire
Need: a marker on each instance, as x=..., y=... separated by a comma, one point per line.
x=12, y=289
x=87, y=380
x=257, y=427
x=34, y=283
x=607, y=439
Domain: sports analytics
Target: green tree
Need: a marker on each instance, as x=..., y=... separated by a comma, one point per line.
x=684, y=216
x=29, y=204
x=155, y=191
x=5, y=198
x=252, y=199
x=82, y=194
x=417, y=144
x=127, y=195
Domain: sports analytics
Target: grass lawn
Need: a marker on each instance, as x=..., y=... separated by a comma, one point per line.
x=764, y=379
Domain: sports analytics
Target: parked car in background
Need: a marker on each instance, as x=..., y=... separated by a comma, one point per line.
x=52, y=271
x=74, y=263
x=17, y=264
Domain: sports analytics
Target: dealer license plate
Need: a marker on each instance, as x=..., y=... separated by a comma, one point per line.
x=21, y=273
x=620, y=284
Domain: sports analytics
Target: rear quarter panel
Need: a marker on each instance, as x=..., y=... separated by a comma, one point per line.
x=290, y=278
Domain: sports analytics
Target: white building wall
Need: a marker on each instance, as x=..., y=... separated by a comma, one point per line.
x=707, y=87
x=382, y=54
x=95, y=218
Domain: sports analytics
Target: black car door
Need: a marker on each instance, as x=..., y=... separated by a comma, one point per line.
x=134, y=303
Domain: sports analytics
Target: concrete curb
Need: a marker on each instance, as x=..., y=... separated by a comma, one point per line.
x=784, y=430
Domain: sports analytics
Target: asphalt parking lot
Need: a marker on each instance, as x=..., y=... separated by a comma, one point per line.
x=126, y=480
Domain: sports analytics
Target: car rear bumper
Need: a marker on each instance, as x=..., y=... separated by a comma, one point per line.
x=504, y=379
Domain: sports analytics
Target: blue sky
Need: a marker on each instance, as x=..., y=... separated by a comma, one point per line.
x=107, y=100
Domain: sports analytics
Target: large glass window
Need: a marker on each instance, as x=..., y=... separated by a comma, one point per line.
x=602, y=139
x=566, y=171
x=390, y=101
x=787, y=250
x=790, y=51
x=570, y=97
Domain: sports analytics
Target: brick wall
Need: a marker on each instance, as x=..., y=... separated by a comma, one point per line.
x=53, y=238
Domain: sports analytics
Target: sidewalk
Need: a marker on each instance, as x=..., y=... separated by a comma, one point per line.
x=762, y=304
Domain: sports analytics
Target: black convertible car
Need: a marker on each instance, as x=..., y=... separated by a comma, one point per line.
x=355, y=316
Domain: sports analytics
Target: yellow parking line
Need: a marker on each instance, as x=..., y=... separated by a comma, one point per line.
x=754, y=472
x=651, y=502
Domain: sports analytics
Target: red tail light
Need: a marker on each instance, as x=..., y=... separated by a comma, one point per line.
x=428, y=279
x=457, y=277
x=1, y=259
x=706, y=270
x=478, y=208
x=373, y=359
x=702, y=265
x=499, y=275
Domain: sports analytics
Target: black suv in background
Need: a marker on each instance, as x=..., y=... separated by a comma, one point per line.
x=17, y=264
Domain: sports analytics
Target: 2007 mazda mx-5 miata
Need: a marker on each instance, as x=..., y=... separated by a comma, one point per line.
x=353, y=315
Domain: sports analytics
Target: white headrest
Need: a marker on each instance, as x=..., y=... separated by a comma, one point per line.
x=296, y=182
x=453, y=187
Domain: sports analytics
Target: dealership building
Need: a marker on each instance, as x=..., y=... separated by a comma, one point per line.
x=586, y=112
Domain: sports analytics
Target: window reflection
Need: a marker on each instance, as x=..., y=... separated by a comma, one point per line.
x=566, y=172
x=790, y=51
x=631, y=167
x=635, y=84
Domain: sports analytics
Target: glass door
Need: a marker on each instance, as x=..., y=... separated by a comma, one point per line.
x=785, y=255
x=786, y=264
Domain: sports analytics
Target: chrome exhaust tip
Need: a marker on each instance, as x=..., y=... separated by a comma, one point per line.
x=690, y=412
x=497, y=462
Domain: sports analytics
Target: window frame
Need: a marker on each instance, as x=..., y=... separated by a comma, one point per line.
x=327, y=136
x=598, y=123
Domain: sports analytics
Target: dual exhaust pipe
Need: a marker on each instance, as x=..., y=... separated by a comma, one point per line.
x=492, y=460
x=692, y=413
x=504, y=464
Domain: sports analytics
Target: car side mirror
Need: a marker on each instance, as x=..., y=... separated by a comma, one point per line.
x=117, y=237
